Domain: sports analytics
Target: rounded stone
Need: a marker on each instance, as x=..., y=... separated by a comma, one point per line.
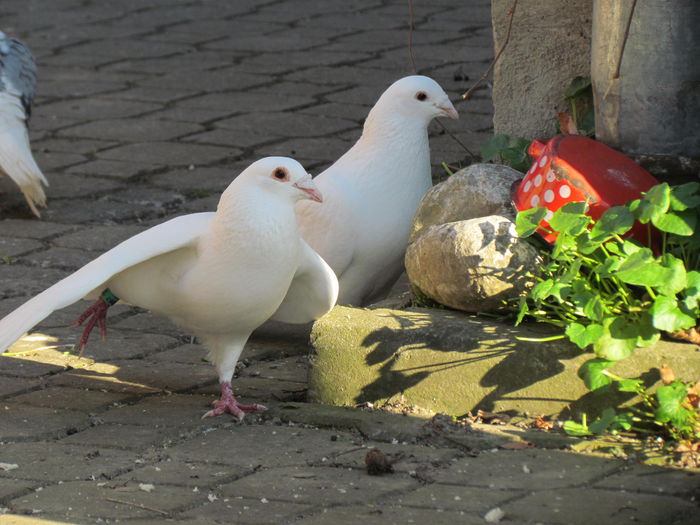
x=471, y=265
x=475, y=191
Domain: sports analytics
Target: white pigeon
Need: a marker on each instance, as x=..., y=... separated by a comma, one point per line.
x=17, y=87
x=218, y=275
x=372, y=192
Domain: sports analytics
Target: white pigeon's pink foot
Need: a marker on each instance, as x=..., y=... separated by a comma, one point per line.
x=98, y=316
x=228, y=403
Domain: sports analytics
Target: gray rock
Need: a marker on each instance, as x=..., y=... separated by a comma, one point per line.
x=475, y=191
x=471, y=265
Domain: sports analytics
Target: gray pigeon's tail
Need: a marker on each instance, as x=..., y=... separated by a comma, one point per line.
x=16, y=158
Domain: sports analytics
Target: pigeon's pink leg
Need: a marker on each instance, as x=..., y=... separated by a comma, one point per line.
x=228, y=403
x=98, y=316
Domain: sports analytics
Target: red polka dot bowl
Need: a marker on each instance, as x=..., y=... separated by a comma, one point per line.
x=572, y=168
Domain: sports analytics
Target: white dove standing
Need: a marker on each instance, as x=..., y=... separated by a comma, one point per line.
x=218, y=275
x=372, y=192
x=17, y=87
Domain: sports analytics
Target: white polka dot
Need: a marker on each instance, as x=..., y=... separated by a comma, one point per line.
x=532, y=168
x=565, y=191
x=550, y=176
x=538, y=180
x=535, y=201
x=548, y=196
x=527, y=186
x=548, y=216
x=543, y=160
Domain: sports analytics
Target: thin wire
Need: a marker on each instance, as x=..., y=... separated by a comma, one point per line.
x=616, y=74
x=511, y=12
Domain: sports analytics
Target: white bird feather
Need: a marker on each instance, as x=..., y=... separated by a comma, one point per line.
x=17, y=87
x=372, y=192
x=218, y=275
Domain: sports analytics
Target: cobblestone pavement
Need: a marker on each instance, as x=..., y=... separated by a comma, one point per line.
x=146, y=110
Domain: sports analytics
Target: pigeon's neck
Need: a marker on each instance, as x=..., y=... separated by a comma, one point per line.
x=381, y=128
x=242, y=215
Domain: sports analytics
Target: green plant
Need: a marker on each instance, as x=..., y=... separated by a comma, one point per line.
x=507, y=150
x=613, y=294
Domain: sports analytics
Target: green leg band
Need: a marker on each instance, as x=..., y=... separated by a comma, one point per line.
x=108, y=297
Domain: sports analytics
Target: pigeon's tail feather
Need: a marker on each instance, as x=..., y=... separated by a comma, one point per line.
x=24, y=318
x=65, y=292
x=16, y=158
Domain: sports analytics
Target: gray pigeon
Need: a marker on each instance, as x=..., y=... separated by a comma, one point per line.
x=17, y=87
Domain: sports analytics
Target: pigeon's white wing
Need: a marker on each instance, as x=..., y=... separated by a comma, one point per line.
x=172, y=235
x=313, y=292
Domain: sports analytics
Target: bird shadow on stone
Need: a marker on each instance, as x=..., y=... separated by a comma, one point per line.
x=402, y=355
x=503, y=237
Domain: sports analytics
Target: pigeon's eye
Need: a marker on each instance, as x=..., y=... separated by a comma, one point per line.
x=421, y=95
x=280, y=174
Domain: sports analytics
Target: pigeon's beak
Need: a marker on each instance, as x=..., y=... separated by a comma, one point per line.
x=448, y=110
x=307, y=186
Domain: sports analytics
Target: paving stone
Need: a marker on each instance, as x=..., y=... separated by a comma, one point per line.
x=303, y=484
x=85, y=500
x=95, y=108
x=127, y=204
x=12, y=488
x=582, y=505
x=67, y=258
x=242, y=510
x=131, y=130
x=236, y=139
x=288, y=369
x=145, y=321
x=202, y=181
x=187, y=353
x=122, y=436
x=219, y=80
x=14, y=280
x=168, y=153
x=12, y=386
x=159, y=94
x=305, y=149
x=12, y=247
x=174, y=410
x=658, y=481
x=32, y=229
x=152, y=375
x=28, y=423
x=272, y=125
x=190, y=474
x=50, y=161
x=387, y=513
x=252, y=445
x=73, y=398
x=52, y=462
x=102, y=376
x=415, y=460
x=99, y=238
x=276, y=63
x=111, y=168
x=542, y=468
